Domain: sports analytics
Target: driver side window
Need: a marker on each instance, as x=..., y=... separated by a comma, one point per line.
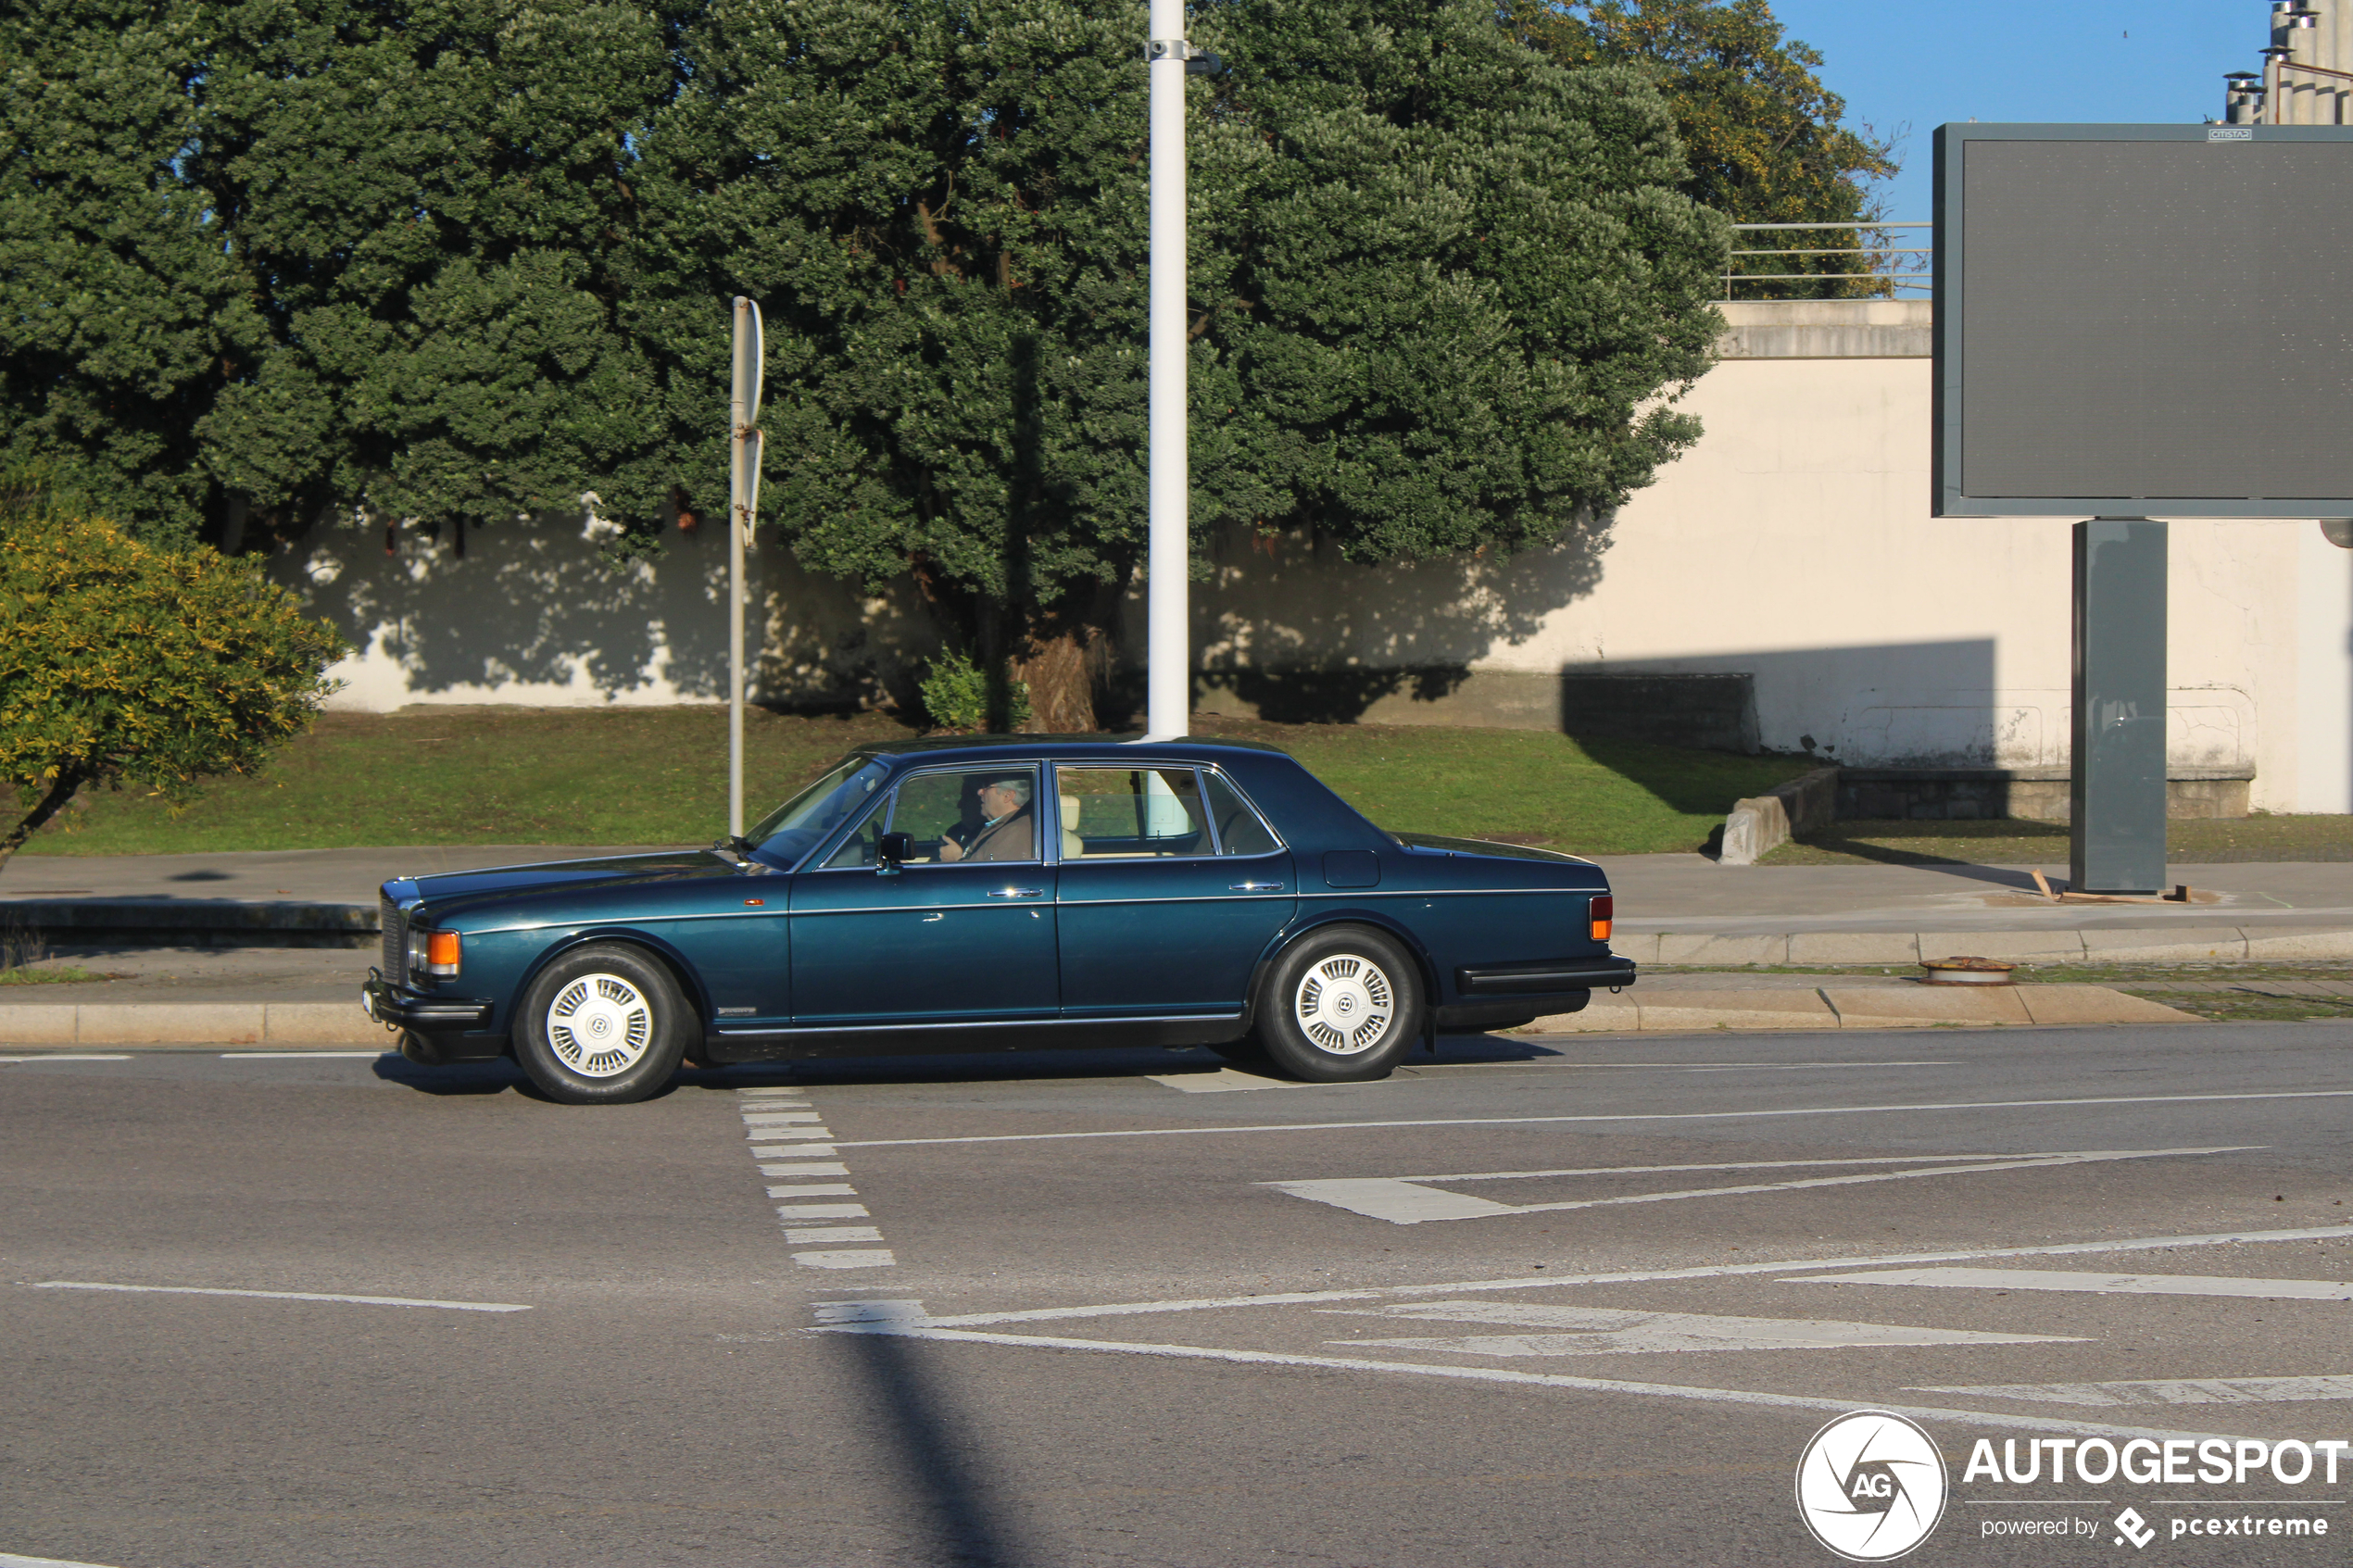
x=858, y=849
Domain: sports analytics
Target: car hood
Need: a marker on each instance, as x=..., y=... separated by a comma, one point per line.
x=494, y=882
x=1485, y=846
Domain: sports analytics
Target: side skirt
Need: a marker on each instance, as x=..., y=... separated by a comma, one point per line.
x=1044, y=1033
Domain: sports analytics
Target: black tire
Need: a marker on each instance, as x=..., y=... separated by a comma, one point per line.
x=631, y=1031
x=1362, y=1016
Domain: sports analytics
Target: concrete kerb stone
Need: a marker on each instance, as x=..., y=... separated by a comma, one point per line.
x=150, y=1023
x=2095, y=1004
x=2193, y=945
x=1888, y=1007
x=38, y=1024
x=1853, y=948
x=1743, y=1010
x=2269, y=942
x=1696, y=949
x=2009, y=947
x=338, y=1024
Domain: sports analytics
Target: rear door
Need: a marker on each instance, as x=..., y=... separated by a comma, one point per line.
x=938, y=940
x=1156, y=918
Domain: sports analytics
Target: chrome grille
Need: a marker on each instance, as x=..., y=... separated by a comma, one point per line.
x=396, y=930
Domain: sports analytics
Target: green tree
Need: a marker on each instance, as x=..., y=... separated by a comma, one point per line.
x=124, y=662
x=1438, y=283
x=1456, y=287
x=1766, y=143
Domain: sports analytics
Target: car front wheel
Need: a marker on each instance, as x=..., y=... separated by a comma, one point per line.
x=603, y=1024
x=1341, y=1005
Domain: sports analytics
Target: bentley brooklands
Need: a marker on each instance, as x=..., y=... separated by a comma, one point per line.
x=1000, y=893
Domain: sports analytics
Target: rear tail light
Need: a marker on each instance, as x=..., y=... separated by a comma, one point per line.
x=441, y=953
x=1604, y=911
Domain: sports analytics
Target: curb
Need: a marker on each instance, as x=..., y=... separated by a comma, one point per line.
x=192, y=1023
x=2148, y=944
x=1867, y=1006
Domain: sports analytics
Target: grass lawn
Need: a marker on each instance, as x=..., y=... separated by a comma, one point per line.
x=2013, y=843
x=623, y=776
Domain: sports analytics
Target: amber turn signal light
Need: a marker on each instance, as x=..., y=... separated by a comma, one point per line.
x=441, y=952
x=1604, y=911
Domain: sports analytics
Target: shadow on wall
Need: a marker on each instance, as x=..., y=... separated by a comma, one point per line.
x=532, y=614
x=1297, y=635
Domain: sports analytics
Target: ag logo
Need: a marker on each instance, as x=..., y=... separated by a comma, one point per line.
x=1870, y=1486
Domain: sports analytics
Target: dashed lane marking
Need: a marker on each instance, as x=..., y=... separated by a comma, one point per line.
x=58, y=1057
x=2165, y=1391
x=1603, y=1119
x=1404, y=1200
x=2098, y=1284
x=10, y=1559
x=771, y=1117
x=1596, y=1331
x=282, y=1296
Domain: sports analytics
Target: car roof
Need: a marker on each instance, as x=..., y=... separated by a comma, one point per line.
x=992, y=748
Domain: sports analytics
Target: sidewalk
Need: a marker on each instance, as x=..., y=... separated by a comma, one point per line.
x=1673, y=910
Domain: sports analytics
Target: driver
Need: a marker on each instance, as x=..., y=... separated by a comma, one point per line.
x=1005, y=832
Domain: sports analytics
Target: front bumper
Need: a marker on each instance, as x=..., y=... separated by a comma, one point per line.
x=419, y=1012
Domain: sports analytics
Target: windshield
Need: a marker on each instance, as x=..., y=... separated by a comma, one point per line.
x=794, y=829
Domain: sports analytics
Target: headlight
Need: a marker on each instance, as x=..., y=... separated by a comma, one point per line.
x=433, y=952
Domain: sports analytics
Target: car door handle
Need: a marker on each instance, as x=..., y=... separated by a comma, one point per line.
x=1017, y=893
x=1254, y=887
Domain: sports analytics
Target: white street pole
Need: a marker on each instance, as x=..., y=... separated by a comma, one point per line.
x=1168, y=679
x=743, y=508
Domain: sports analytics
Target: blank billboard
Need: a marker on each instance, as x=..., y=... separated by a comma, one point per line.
x=2150, y=320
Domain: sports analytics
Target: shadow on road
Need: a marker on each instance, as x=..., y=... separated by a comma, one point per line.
x=943, y=1463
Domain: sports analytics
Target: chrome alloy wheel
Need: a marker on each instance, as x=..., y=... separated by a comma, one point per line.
x=1345, y=1005
x=599, y=1025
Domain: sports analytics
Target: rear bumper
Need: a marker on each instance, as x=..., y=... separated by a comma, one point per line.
x=1554, y=978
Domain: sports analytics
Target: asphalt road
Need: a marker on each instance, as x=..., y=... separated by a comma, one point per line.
x=1567, y=1303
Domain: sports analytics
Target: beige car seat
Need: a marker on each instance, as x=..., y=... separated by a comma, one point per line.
x=1073, y=845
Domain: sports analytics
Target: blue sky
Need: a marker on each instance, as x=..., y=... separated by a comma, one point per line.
x=1923, y=62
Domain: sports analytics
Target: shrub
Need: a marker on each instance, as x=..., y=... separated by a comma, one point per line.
x=124, y=663
x=957, y=697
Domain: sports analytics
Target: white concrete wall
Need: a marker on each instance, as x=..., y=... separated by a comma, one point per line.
x=533, y=615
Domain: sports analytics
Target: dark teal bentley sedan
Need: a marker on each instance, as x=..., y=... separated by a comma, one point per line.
x=996, y=894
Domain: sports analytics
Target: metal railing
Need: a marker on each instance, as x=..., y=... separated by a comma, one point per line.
x=1891, y=267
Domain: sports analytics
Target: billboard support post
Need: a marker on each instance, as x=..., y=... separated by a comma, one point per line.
x=2116, y=800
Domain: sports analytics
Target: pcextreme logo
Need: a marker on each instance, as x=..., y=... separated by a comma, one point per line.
x=1870, y=1486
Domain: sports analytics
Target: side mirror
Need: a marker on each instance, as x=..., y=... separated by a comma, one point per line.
x=893, y=847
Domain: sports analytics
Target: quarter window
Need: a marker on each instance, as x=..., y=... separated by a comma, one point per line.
x=1110, y=813
x=1239, y=831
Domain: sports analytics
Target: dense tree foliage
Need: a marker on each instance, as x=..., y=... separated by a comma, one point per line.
x=1765, y=142
x=465, y=260
x=125, y=662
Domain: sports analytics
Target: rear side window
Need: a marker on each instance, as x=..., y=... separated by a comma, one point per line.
x=1110, y=813
x=1239, y=831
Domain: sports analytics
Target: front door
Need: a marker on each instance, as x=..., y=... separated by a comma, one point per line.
x=1155, y=919
x=961, y=932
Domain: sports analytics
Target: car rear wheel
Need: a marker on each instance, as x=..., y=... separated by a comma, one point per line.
x=1341, y=1005
x=603, y=1024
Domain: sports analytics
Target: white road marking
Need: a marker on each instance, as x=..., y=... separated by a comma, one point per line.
x=1707, y=1270
x=878, y=1259
x=10, y=1559
x=928, y=1329
x=1597, y=1331
x=1224, y=1080
x=773, y=1117
x=2167, y=1391
x=2100, y=1285
x=304, y=1056
x=62, y=1057
x=1605, y=1119
x=1403, y=1202
x=282, y=1296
